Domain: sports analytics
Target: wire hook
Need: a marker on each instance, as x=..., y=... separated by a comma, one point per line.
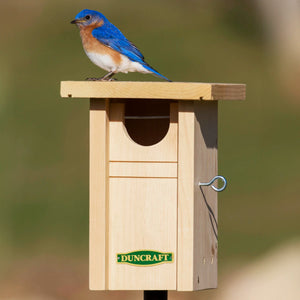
x=212, y=181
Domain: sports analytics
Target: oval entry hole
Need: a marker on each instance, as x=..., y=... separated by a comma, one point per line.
x=147, y=122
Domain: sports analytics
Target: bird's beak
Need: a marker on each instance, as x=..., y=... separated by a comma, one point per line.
x=78, y=21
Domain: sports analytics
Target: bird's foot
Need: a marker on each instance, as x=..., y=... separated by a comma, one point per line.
x=100, y=79
x=93, y=79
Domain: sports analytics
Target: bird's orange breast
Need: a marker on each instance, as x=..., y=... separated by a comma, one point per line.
x=91, y=44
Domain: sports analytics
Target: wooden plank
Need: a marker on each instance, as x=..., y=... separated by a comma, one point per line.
x=143, y=216
x=185, y=247
x=123, y=148
x=206, y=199
x=142, y=169
x=225, y=92
x=153, y=90
x=197, y=208
x=98, y=194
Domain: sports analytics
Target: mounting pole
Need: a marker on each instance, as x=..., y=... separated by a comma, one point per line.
x=155, y=295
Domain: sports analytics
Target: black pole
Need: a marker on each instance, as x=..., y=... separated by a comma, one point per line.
x=155, y=295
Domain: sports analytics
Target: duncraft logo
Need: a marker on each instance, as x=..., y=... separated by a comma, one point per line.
x=145, y=258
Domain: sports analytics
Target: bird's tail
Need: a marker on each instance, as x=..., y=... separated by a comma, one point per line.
x=155, y=73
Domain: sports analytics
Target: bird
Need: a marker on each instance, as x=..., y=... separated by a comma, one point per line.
x=108, y=48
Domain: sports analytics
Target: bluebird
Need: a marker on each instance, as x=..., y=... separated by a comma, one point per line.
x=108, y=48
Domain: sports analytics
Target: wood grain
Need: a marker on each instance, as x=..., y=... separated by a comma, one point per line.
x=153, y=90
x=98, y=194
x=143, y=216
x=185, y=248
x=206, y=199
x=123, y=148
x=197, y=208
x=143, y=169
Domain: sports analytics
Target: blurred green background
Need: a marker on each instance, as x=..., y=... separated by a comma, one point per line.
x=44, y=139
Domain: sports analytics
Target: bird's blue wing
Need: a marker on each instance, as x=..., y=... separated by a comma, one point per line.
x=112, y=37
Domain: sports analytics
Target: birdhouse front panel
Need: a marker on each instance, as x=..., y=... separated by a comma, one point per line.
x=138, y=134
x=143, y=231
x=142, y=188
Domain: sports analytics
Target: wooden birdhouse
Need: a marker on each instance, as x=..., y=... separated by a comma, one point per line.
x=152, y=227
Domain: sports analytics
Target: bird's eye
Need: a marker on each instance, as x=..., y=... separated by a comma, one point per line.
x=88, y=17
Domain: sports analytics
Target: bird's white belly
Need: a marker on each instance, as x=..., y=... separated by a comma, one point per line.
x=105, y=62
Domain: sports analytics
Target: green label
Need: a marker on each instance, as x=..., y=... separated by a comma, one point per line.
x=144, y=258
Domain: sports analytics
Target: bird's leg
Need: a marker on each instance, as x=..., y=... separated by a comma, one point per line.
x=107, y=77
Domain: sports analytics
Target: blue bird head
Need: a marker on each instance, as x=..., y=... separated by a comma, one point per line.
x=88, y=17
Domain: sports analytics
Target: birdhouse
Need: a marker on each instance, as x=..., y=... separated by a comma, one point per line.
x=153, y=154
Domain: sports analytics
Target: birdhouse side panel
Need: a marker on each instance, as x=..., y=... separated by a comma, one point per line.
x=197, y=208
x=206, y=199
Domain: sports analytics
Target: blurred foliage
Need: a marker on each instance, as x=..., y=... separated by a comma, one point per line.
x=44, y=141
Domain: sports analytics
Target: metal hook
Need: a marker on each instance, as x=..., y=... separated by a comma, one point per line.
x=212, y=181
